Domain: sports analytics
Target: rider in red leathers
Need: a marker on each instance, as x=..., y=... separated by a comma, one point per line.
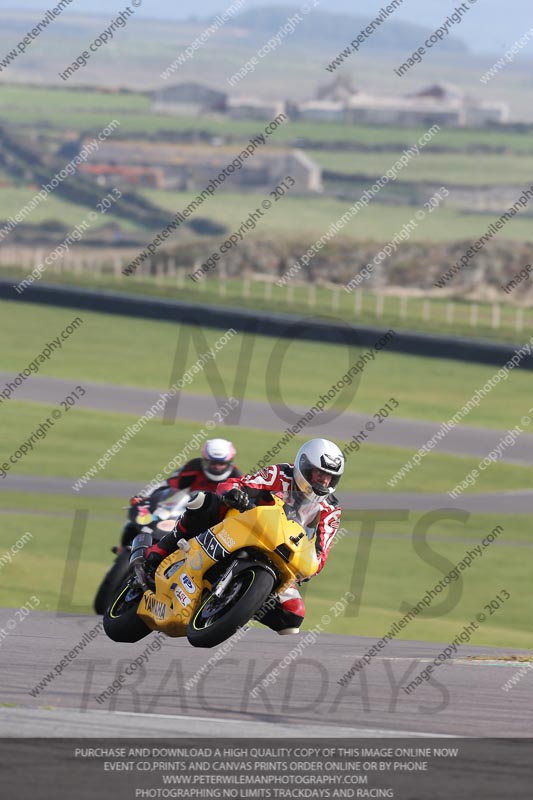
x=202, y=474
x=198, y=475
x=317, y=469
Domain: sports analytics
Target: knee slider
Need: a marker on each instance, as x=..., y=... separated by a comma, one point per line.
x=197, y=502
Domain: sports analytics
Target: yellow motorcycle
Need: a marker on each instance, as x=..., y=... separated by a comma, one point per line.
x=217, y=582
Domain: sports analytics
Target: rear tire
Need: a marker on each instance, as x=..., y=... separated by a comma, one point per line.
x=121, y=622
x=114, y=579
x=248, y=591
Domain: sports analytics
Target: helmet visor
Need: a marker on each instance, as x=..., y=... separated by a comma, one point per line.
x=216, y=467
x=322, y=481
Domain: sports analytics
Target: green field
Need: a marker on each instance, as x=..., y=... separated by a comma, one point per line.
x=50, y=100
x=92, y=110
x=86, y=435
x=55, y=209
x=312, y=216
x=385, y=586
x=290, y=217
x=305, y=217
x=101, y=351
x=381, y=588
x=446, y=168
x=55, y=110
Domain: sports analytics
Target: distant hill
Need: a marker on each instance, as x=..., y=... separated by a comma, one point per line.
x=490, y=27
x=339, y=29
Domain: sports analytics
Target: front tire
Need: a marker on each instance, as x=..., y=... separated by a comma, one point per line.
x=113, y=580
x=219, y=618
x=121, y=622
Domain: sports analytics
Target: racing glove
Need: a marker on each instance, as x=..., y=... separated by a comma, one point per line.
x=236, y=498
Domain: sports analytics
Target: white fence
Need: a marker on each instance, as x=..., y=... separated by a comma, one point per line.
x=403, y=304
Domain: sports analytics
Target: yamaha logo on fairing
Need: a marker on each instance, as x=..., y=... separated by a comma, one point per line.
x=155, y=607
x=331, y=463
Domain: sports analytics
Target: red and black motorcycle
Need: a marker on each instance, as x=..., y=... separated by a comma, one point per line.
x=157, y=523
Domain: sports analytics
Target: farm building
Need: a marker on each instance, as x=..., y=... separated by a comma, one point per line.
x=188, y=100
x=441, y=104
x=187, y=167
x=322, y=111
x=254, y=108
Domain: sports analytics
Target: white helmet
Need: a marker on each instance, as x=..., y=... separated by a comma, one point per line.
x=321, y=455
x=217, y=459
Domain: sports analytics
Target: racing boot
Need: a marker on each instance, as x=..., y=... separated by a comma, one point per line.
x=202, y=511
x=287, y=614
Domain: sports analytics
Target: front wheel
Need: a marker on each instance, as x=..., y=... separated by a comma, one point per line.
x=218, y=618
x=113, y=581
x=121, y=622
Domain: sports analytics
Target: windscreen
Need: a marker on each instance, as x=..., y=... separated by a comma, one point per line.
x=173, y=504
x=303, y=510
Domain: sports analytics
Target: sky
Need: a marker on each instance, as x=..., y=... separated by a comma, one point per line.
x=490, y=26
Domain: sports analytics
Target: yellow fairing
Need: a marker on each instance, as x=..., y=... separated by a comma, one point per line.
x=179, y=584
x=180, y=578
x=267, y=527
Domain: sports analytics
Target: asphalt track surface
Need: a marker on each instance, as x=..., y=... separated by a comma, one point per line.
x=465, y=698
x=394, y=432
x=514, y=502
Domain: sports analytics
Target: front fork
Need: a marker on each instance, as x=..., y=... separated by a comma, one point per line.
x=242, y=562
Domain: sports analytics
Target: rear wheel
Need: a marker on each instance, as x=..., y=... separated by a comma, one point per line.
x=121, y=622
x=218, y=618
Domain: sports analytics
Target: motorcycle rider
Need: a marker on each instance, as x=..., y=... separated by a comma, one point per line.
x=315, y=474
x=199, y=474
